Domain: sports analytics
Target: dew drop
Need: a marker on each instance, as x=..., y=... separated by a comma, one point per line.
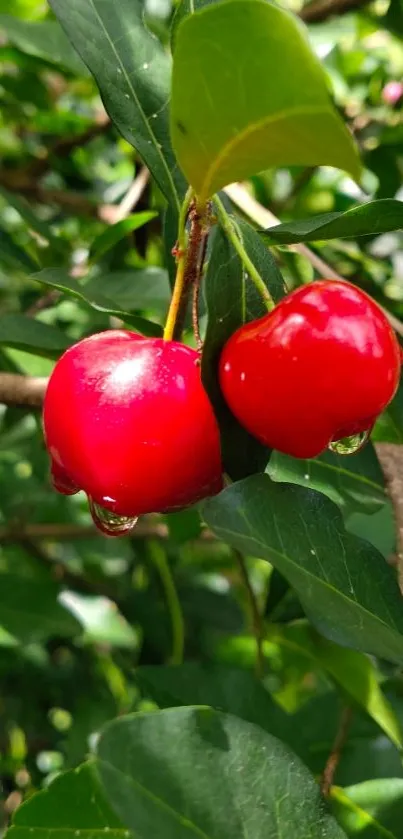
x=306, y=476
x=127, y=96
x=110, y=523
x=119, y=70
x=145, y=65
x=349, y=445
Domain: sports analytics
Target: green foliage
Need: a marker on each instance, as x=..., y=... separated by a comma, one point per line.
x=282, y=589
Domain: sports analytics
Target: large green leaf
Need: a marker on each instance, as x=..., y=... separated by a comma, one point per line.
x=72, y=806
x=371, y=810
x=366, y=220
x=132, y=71
x=59, y=279
x=115, y=232
x=29, y=609
x=195, y=772
x=31, y=335
x=226, y=688
x=43, y=39
x=146, y=288
x=248, y=94
x=231, y=300
x=356, y=483
x=345, y=586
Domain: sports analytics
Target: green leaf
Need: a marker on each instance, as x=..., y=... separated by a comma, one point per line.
x=301, y=533
x=29, y=609
x=355, y=484
x=356, y=673
x=248, y=94
x=132, y=70
x=231, y=300
x=72, y=806
x=13, y=256
x=43, y=39
x=366, y=220
x=371, y=810
x=185, y=8
x=115, y=232
x=33, y=222
x=228, y=689
x=57, y=278
x=147, y=288
x=101, y=620
x=31, y=335
x=389, y=426
x=194, y=772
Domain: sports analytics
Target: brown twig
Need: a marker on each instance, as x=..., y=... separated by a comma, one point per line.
x=112, y=214
x=196, y=291
x=22, y=390
x=337, y=748
x=60, y=532
x=256, y=620
x=196, y=234
x=265, y=219
x=320, y=10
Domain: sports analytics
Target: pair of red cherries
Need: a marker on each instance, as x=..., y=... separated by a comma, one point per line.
x=127, y=419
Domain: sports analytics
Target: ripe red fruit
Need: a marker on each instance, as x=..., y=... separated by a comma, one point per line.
x=127, y=420
x=320, y=367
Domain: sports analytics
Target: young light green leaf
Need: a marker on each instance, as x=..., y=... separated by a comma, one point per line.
x=248, y=94
x=232, y=300
x=366, y=220
x=301, y=533
x=132, y=70
x=73, y=805
x=101, y=620
x=370, y=810
x=195, y=772
x=31, y=335
x=43, y=39
x=355, y=484
x=113, y=234
x=59, y=279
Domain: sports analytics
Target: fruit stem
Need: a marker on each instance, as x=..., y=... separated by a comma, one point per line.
x=182, y=262
x=256, y=620
x=159, y=558
x=234, y=237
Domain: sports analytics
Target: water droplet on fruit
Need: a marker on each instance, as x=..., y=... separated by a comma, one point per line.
x=110, y=523
x=349, y=445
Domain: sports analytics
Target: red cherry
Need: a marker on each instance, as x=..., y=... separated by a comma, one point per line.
x=127, y=420
x=321, y=366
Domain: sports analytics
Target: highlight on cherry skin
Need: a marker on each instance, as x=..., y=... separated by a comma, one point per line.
x=127, y=420
x=315, y=372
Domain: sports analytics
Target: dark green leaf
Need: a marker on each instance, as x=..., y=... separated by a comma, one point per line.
x=231, y=300
x=356, y=483
x=34, y=223
x=114, y=233
x=147, y=288
x=29, y=609
x=389, y=427
x=44, y=39
x=31, y=335
x=72, y=806
x=226, y=124
x=224, y=688
x=132, y=71
x=190, y=772
x=13, y=256
x=57, y=278
x=301, y=533
x=366, y=220
x=371, y=810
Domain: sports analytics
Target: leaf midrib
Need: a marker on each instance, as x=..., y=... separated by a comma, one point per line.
x=222, y=531
x=141, y=110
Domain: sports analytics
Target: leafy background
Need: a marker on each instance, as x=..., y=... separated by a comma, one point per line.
x=90, y=628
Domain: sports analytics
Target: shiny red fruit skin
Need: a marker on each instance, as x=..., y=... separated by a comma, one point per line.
x=127, y=420
x=321, y=366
